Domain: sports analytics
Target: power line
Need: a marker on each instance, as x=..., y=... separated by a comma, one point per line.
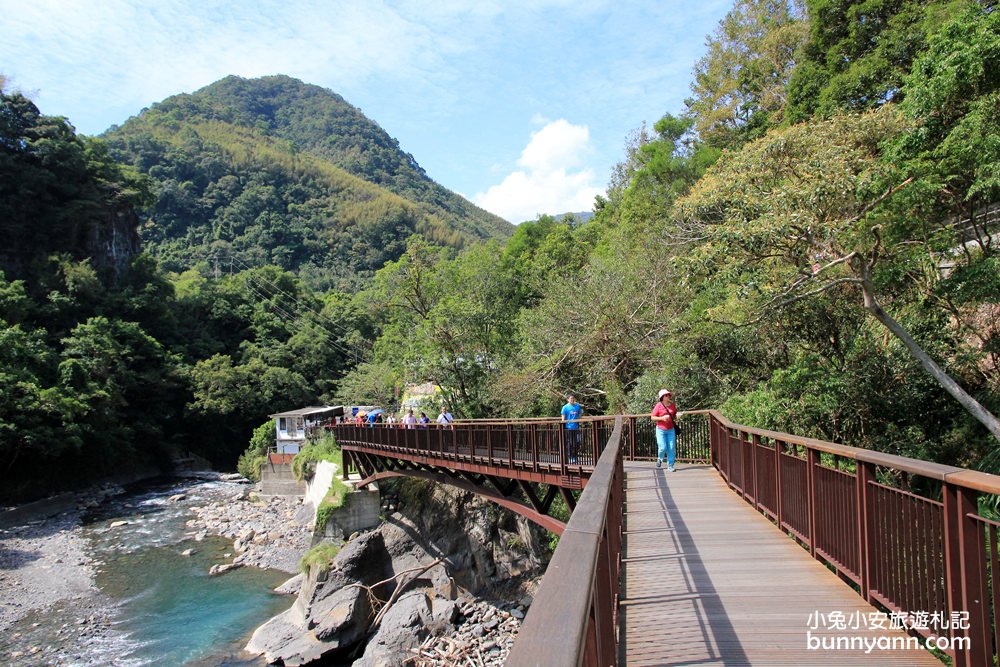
x=299, y=303
x=260, y=293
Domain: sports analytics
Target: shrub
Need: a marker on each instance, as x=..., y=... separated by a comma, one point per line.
x=321, y=556
x=256, y=452
x=324, y=449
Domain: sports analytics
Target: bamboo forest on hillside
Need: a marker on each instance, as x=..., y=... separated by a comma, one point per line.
x=809, y=245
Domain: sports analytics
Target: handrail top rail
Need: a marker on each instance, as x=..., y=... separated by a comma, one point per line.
x=561, y=600
x=964, y=477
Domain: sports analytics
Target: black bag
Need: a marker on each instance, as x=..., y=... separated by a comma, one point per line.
x=677, y=427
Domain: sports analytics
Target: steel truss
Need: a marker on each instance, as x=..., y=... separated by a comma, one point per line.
x=528, y=493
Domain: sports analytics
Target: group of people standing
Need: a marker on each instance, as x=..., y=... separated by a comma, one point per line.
x=408, y=420
x=664, y=416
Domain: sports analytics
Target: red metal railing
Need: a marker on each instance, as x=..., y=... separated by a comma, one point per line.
x=905, y=532
x=539, y=444
x=574, y=617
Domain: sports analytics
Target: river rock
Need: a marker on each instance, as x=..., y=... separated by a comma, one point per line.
x=223, y=568
x=117, y=524
x=331, y=612
x=177, y=497
x=408, y=622
x=291, y=587
x=282, y=639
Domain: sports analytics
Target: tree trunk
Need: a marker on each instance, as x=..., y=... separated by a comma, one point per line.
x=974, y=407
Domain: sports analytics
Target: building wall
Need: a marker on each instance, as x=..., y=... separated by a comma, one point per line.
x=277, y=479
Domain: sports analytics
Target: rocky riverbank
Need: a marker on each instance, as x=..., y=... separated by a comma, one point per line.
x=54, y=571
x=53, y=613
x=45, y=562
x=267, y=532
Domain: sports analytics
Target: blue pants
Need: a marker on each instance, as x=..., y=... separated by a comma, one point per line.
x=666, y=445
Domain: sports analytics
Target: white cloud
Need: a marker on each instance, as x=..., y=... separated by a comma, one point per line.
x=551, y=180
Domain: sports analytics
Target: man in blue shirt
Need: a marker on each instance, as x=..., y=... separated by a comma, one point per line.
x=570, y=414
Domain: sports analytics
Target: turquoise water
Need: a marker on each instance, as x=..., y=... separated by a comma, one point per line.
x=165, y=608
x=175, y=614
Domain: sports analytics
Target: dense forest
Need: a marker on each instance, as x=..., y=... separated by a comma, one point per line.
x=809, y=244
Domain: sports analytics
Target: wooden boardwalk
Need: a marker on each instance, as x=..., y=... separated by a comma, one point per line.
x=710, y=581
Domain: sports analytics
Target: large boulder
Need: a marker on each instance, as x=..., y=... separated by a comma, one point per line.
x=408, y=622
x=332, y=611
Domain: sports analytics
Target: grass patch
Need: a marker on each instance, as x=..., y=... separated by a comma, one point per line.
x=324, y=449
x=334, y=500
x=321, y=556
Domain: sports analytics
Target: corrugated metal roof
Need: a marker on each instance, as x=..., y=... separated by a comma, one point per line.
x=312, y=410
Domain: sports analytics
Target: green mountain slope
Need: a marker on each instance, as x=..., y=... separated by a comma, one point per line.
x=273, y=170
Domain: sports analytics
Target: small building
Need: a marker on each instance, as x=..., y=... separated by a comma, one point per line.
x=292, y=427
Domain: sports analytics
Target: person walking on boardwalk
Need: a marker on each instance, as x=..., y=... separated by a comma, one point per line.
x=664, y=414
x=570, y=414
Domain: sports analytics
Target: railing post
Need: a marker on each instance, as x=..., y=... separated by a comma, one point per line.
x=812, y=459
x=594, y=444
x=777, y=483
x=631, y=443
x=510, y=446
x=489, y=446
x=754, y=443
x=533, y=435
x=865, y=473
x=963, y=575
x=561, y=442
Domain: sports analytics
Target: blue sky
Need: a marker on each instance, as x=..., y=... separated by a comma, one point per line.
x=522, y=107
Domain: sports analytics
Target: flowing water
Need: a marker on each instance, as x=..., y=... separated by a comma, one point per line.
x=156, y=607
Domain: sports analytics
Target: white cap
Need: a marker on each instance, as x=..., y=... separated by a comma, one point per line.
x=663, y=392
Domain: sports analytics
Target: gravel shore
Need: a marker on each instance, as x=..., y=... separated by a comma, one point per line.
x=43, y=563
x=268, y=532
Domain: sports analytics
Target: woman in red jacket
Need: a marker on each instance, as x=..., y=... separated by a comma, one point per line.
x=664, y=414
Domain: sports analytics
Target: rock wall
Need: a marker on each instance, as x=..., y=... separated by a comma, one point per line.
x=438, y=542
x=485, y=543
x=360, y=511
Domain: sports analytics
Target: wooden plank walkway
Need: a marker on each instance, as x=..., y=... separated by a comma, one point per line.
x=710, y=581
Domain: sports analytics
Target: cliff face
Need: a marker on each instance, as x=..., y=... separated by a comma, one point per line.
x=484, y=543
x=61, y=194
x=109, y=244
x=112, y=246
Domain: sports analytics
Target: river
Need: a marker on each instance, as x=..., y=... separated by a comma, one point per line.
x=154, y=606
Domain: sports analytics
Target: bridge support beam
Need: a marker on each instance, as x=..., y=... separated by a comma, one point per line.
x=517, y=506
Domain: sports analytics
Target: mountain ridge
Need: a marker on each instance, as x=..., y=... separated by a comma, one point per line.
x=273, y=170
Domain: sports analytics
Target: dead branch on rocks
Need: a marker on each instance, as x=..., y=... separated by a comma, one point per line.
x=383, y=607
x=447, y=653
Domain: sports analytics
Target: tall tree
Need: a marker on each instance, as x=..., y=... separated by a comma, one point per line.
x=739, y=88
x=808, y=209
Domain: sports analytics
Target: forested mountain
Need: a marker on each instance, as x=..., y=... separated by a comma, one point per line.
x=275, y=171
x=110, y=366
